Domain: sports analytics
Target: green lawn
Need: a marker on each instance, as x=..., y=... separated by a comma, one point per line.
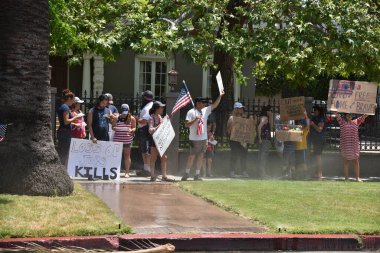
x=82, y=213
x=298, y=207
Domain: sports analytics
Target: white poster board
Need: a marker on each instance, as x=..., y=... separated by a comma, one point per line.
x=98, y=161
x=352, y=97
x=163, y=136
x=220, y=82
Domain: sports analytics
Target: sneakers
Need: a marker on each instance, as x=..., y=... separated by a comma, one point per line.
x=197, y=178
x=185, y=177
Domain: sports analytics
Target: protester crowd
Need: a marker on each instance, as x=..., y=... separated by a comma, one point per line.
x=105, y=123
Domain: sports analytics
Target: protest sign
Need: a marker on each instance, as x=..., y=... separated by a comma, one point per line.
x=220, y=82
x=98, y=161
x=163, y=136
x=243, y=130
x=352, y=97
x=292, y=108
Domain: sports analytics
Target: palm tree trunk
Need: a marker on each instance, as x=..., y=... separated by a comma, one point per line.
x=29, y=163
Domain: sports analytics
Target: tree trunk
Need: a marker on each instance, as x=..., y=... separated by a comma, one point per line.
x=29, y=163
x=225, y=64
x=224, y=60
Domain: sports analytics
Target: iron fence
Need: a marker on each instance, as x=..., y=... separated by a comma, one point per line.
x=369, y=132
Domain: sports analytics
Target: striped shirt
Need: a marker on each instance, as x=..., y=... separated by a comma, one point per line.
x=123, y=132
x=349, y=138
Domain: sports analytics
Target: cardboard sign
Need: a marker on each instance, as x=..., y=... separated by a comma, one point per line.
x=98, y=161
x=243, y=130
x=352, y=97
x=220, y=82
x=292, y=108
x=163, y=136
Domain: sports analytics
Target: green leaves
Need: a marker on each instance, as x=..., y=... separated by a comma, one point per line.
x=293, y=40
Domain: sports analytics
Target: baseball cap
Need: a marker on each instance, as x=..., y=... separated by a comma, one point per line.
x=78, y=100
x=124, y=109
x=238, y=105
x=158, y=104
x=148, y=95
x=200, y=99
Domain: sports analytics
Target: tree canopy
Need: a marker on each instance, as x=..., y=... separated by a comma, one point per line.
x=294, y=40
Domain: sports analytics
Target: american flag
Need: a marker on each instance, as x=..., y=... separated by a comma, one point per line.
x=3, y=131
x=183, y=99
x=200, y=126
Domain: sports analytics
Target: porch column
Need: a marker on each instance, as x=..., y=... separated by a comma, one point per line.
x=98, y=74
x=86, y=79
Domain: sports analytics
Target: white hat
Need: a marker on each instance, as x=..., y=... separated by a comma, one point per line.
x=78, y=100
x=124, y=109
x=238, y=105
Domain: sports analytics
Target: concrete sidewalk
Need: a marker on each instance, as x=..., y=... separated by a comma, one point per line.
x=161, y=208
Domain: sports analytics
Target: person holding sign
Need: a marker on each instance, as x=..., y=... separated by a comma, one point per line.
x=98, y=120
x=238, y=149
x=125, y=128
x=154, y=123
x=196, y=121
x=349, y=141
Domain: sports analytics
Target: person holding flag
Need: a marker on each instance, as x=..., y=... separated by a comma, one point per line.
x=196, y=121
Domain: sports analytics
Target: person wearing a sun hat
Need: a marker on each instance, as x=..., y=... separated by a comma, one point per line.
x=125, y=128
x=78, y=126
x=143, y=129
x=196, y=121
x=238, y=150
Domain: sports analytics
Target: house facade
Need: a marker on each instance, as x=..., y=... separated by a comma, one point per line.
x=133, y=73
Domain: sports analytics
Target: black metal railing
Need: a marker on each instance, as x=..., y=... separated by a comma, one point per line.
x=369, y=132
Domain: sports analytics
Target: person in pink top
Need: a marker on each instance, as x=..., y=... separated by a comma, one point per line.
x=349, y=141
x=78, y=126
x=154, y=123
x=125, y=128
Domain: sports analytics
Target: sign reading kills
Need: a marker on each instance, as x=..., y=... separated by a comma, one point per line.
x=352, y=97
x=243, y=130
x=163, y=136
x=292, y=108
x=98, y=161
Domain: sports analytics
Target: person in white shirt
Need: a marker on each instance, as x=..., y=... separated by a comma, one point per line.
x=196, y=121
x=143, y=128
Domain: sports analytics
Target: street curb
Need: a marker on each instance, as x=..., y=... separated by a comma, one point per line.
x=88, y=242
x=210, y=242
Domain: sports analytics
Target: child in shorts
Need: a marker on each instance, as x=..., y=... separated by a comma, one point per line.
x=209, y=154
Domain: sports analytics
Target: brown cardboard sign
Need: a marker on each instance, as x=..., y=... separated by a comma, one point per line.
x=243, y=130
x=292, y=108
x=352, y=97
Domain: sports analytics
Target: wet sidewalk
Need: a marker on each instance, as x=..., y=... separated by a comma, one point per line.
x=165, y=209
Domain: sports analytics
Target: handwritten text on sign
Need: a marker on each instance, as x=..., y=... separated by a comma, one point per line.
x=352, y=97
x=98, y=161
x=163, y=136
x=243, y=130
x=292, y=108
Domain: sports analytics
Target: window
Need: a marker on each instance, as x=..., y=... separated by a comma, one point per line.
x=152, y=75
